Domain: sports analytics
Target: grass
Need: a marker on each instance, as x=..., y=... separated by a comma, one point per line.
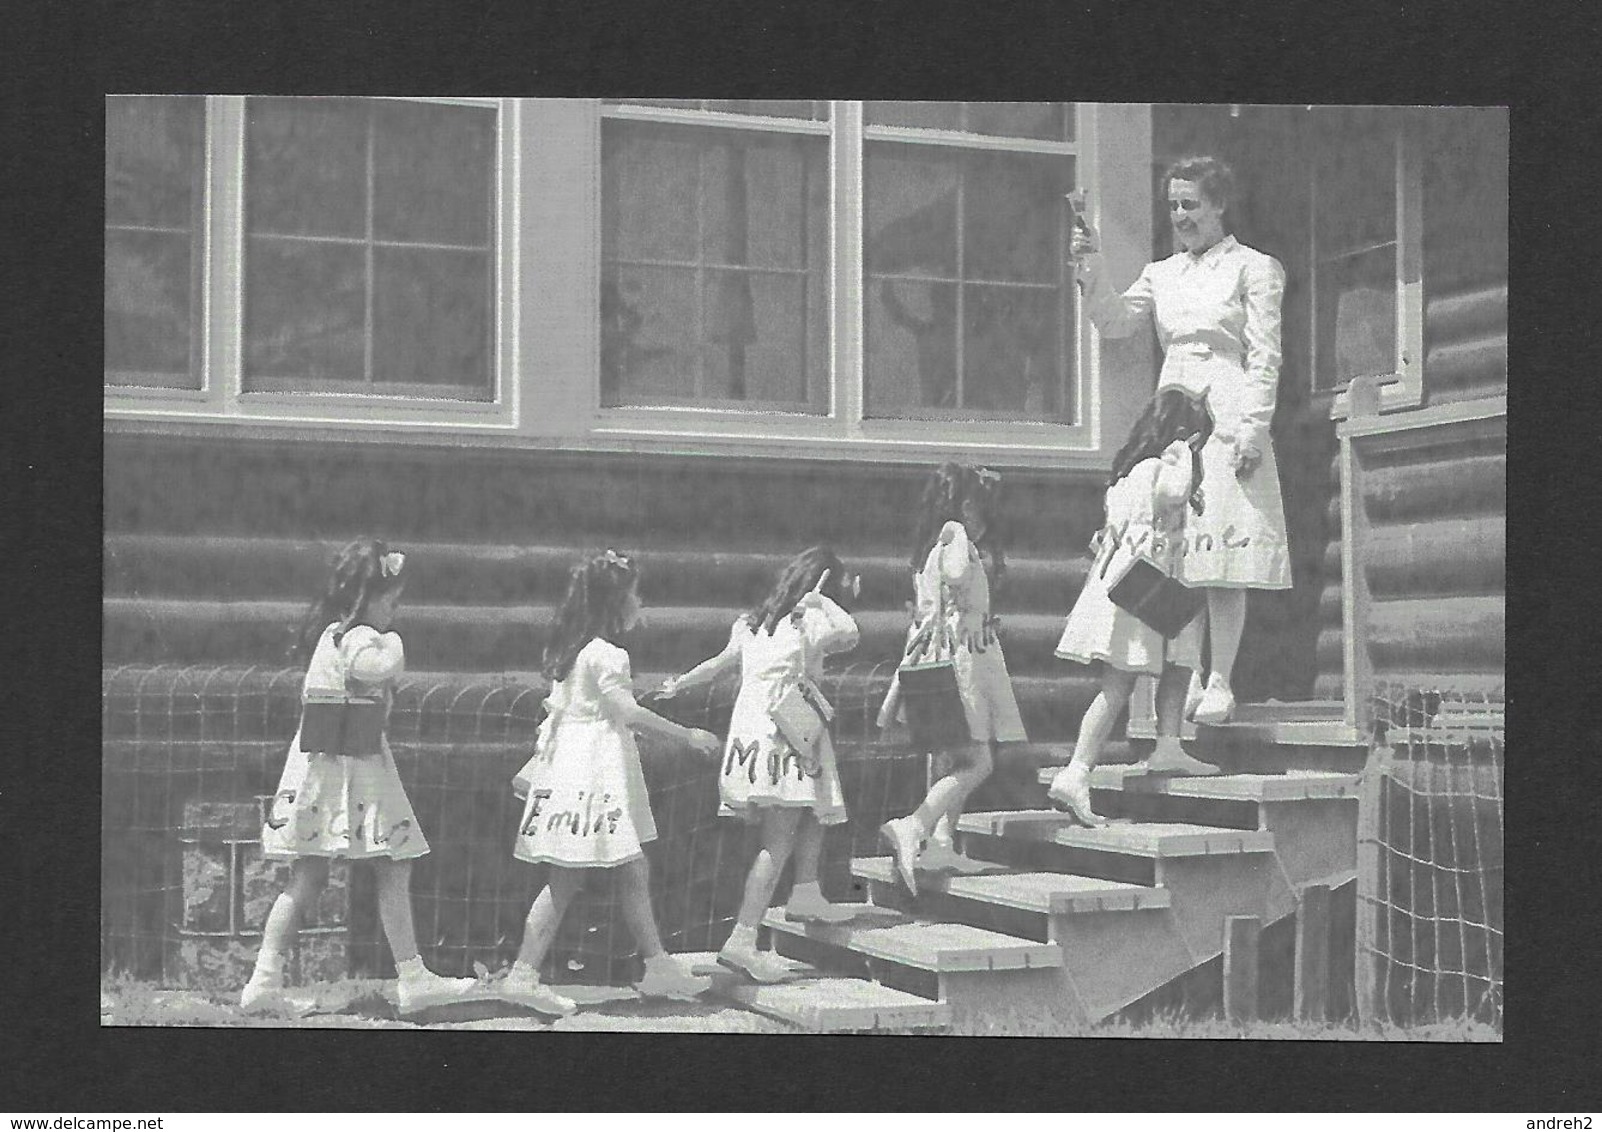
x=362, y=1004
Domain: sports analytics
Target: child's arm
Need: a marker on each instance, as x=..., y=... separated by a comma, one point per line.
x=708, y=670
x=375, y=657
x=617, y=699
x=1171, y=485
x=955, y=554
x=827, y=627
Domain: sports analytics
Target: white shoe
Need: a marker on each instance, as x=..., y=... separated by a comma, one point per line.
x=758, y=966
x=1176, y=761
x=1217, y=702
x=670, y=980
x=817, y=910
x=527, y=991
x=265, y=994
x=1193, y=694
x=1070, y=789
x=902, y=838
x=419, y=992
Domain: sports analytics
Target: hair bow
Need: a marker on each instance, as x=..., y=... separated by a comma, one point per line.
x=613, y=558
x=988, y=476
x=392, y=563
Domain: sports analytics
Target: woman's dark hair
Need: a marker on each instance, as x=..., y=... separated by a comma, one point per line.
x=1169, y=416
x=1213, y=177
x=797, y=578
x=950, y=485
x=597, y=591
x=363, y=571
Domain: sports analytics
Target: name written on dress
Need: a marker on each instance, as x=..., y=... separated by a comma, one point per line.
x=308, y=818
x=585, y=816
x=1155, y=542
x=782, y=762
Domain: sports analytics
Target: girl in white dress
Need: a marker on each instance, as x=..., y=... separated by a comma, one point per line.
x=1216, y=308
x=791, y=794
x=587, y=806
x=351, y=807
x=957, y=553
x=1155, y=475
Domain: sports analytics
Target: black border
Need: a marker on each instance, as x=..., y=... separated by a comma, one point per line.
x=65, y=58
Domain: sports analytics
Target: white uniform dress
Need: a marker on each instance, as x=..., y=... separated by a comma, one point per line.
x=345, y=806
x=1146, y=511
x=1218, y=319
x=587, y=804
x=954, y=567
x=760, y=768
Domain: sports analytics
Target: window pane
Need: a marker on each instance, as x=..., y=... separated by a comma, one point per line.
x=1046, y=121
x=1357, y=317
x=1356, y=184
x=432, y=169
x=815, y=110
x=923, y=115
x=911, y=219
x=155, y=168
x=370, y=228
x=1039, y=121
x=648, y=334
x=431, y=319
x=911, y=347
x=306, y=166
x=153, y=160
x=993, y=221
x=1014, y=216
x=149, y=309
x=305, y=312
x=1011, y=363
x=715, y=252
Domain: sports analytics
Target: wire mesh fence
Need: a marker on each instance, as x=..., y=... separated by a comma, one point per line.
x=1429, y=927
x=192, y=754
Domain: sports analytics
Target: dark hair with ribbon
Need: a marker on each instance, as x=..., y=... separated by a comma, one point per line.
x=597, y=597
x=1169, y=416
x=362, y=572
x=948, y=488
x=797, y=578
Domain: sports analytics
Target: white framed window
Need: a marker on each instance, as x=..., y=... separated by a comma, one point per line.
x=865, y=268
x=353, y=265
x=1366, y=255
x=155, y=243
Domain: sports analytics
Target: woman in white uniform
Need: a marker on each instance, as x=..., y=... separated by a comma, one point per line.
x=1216, y=308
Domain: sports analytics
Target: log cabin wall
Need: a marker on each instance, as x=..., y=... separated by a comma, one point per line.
x=1430, y=501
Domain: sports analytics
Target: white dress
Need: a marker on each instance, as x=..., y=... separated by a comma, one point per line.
x=1146, y=511
x=955, y=568
x=587, y=804
x=1218, y=320
x=345, y=806
x=760, y=768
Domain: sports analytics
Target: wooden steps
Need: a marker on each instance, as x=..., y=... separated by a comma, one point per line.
x=822, y=1003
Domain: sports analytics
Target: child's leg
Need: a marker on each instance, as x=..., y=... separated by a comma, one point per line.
x=545, y=914
x=1071, y=786
x=949, y=794
x=779, y=826
x=664, y=977
x=307, y=875
x=1170, y=756
x=395, y=907
x=808, y=851
x=1226, y=621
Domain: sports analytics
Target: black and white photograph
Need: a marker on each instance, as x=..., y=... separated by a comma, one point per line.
x=804, y=566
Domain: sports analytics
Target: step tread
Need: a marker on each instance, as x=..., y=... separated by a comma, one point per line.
x=824, y=1003
x=929, y=945
x=1046, y=893
x=1141, y=839
x=1292, y=786
x=1287, y=732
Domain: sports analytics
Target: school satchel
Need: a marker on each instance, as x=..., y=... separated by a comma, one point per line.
x=332, y=724
x=803, y=715
x=930, y=699
x=1162, y=602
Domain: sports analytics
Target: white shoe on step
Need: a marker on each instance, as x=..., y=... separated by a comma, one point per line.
x=1070, y=790
x=425, y=989
x=1217, y=703
x=531, y=993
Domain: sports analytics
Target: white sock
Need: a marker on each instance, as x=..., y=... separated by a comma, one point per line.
x=812, y=890
x=525, y=972
x=742, y=938
x=269, y=963
x=411, y=968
